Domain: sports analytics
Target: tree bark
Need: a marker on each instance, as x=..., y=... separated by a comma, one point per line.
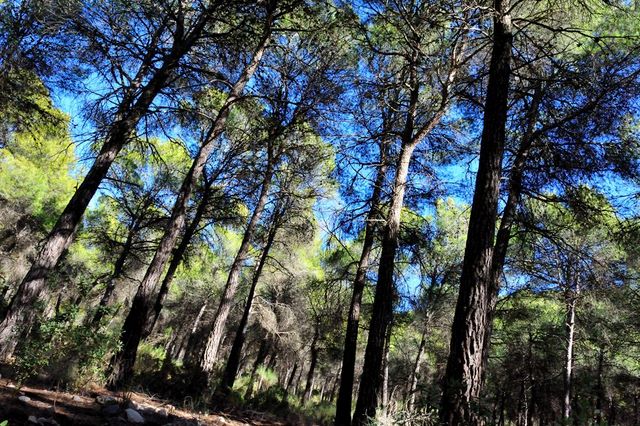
x=122, y=363
x=345, y=394
x=233, y=362
x=463, y=378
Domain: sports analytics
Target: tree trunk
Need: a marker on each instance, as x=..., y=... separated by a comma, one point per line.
x=416, y=371
x=291, y=378
x=600, y=397
x=118, y=268
x=210, y=354
x=345, y=394
x=176, y=260
x=371, y=380
x=384, y=404
x=568, y=362
x=506, y=223
x=312, y=367
x=233, y=362
x=262, y=355
x=20, y=312
x=463, y=378
x=121, y=366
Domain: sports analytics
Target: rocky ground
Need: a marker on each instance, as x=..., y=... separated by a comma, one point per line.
x=37, y=406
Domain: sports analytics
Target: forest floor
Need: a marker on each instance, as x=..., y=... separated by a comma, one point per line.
x=27, y=405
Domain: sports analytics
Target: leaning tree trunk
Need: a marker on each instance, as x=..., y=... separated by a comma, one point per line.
x=345, y=394
x=118, y=268
x=413, y=383
x=503, y=237
x=121, y=366
x=210, y=353
x=382, y=313
x=233, y=362
x=20, y=312
x=463, y=377
x=176, y=260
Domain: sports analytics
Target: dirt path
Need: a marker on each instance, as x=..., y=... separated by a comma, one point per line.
x=37, y=406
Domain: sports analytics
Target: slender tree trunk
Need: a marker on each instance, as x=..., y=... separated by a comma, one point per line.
x=312, y=366
x=463, y=378
x=262, y=355
x=118, y=269
x=121, y=366
x=345, y=394
x=568, y=362
x=416, y=371
x=384, y=404
x=21, y=312
x=233, y=362
x=176, y=260
x=600, y=388
x=210, y=354
x=291, y=378
x=506, y=223
x=382, y=313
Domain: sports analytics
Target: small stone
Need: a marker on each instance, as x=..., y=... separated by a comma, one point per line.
x=76, y=398
x=44, y=421
x=133, y=416
x=24, y=398
x=111, y=410
x=11, y=385
x=105, y=400
x=32, y=419
x=162, y=412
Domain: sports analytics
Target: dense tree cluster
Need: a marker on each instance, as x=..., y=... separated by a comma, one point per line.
x=349, y=213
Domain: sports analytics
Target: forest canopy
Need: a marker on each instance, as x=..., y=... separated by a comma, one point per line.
x=375, y=212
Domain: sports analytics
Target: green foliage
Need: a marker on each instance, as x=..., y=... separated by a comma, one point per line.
x=66, y=351
x=36, y=168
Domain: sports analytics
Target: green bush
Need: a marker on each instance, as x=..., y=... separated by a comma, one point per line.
x=66, y=351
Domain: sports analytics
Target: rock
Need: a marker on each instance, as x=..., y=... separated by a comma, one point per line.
x=76, y=398
x=111, y=410
x=162, y=412
x=44, y=421
x=24, y=398
x=105, y=400
x=133, y=416
x=11, y=385
x=32, y=419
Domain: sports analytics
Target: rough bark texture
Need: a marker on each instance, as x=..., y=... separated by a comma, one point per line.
x=122, y=363
x=233, y=362
x=210, y=354
x=345, y=394
x=463, y=378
